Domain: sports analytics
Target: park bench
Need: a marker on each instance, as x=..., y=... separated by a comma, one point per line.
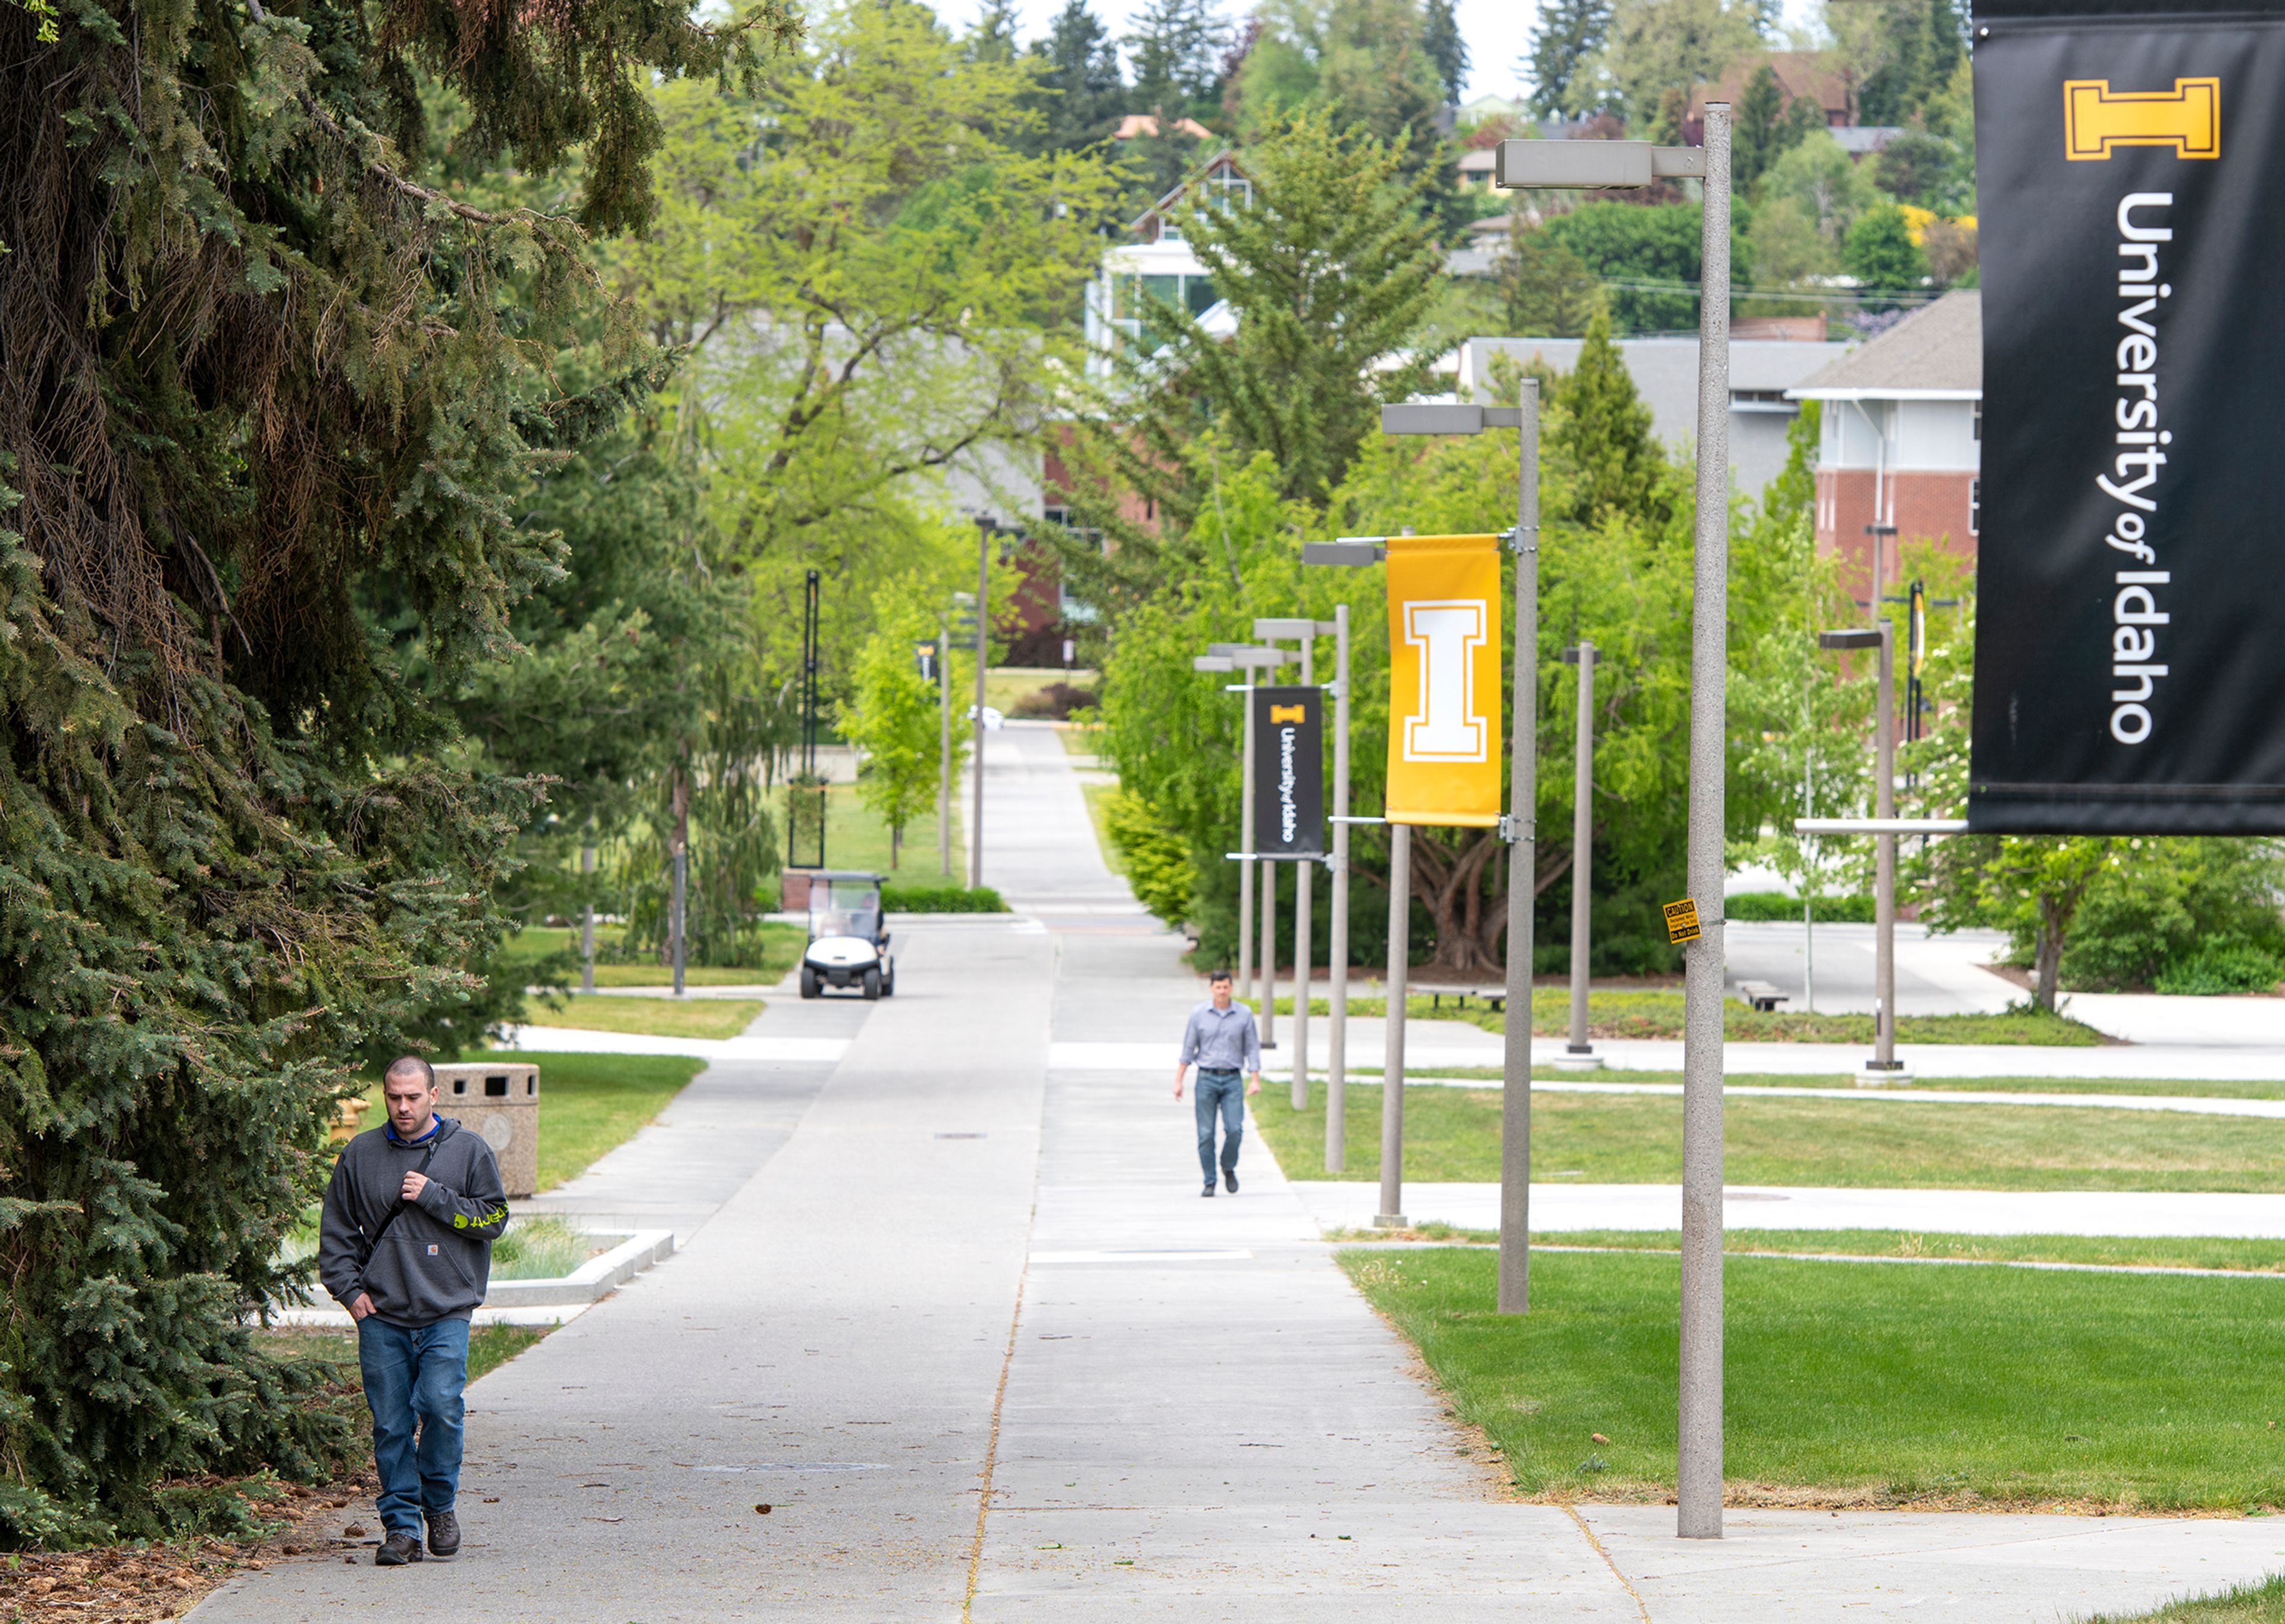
x=1761, y=995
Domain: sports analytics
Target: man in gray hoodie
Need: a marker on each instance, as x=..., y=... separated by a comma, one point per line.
x=405, y=1245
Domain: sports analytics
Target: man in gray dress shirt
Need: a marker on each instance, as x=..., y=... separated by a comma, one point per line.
x=1220, y=1040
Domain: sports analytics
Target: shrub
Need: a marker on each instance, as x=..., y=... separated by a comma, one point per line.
x=1057, y=701
x=1763, y=905
x=2172, y=903
x=2223, y=967
x=1157, y=858
x=941, y=899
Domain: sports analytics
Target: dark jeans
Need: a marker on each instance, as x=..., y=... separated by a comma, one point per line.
x=414, y=1377
x=1223, y=1092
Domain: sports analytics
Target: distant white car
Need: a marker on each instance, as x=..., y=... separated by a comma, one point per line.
x=994, y=719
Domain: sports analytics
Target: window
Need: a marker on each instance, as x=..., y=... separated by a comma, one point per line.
x=1198, y=295
x=1976, y=433
x=1975, y=503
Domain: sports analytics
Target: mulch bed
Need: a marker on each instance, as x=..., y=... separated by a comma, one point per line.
x=137, y=1584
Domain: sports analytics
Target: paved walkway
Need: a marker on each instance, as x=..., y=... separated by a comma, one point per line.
x=951, y=1309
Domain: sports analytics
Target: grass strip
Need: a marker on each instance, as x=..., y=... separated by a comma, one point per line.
x=589, y=1105
x=2252, y=1256
x=781, y=945
x=1452, y=1135
x=2254, y=1603
x=656, y=1017
x=1657, y=1013
x=2208, y=1088
x=1861, y=1383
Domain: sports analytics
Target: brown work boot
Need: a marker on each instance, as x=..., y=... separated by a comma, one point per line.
x=398, y=1548
x=444, y=1533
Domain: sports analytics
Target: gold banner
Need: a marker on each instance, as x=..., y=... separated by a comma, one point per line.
x=1444, y=680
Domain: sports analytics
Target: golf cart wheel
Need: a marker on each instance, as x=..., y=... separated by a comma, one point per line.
x=872, y=984
x=888, y=982
x=810, y=987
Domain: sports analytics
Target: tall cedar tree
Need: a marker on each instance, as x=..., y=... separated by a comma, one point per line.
x=1569, y=33
x=1177, y=50
x=1081, y=96
x=266, y=394
x=1440, y=36
x=1603, y=434
x=1330, y=268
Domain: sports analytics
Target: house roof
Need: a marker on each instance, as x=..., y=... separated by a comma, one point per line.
x=1147, y=124
x=1147, y=223
x=1798, y=73
x=1936, y=353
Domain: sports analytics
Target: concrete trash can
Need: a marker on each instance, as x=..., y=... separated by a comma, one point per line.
x=499, y=1099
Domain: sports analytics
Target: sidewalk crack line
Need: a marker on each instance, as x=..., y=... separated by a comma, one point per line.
x=1641, y=1606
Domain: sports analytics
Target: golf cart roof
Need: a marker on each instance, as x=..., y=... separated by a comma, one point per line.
x=848, y=874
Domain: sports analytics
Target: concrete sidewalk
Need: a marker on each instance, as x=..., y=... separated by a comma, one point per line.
x=951, y=1308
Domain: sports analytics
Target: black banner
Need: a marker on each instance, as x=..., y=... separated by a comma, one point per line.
x=2129, y=661
x=1289, y=772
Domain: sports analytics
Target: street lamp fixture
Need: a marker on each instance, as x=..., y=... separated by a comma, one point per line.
x=1884, y=1066
x=1593, y=164
x=1519, y=829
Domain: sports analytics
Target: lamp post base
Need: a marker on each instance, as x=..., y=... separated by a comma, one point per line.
x=1579, y=1060
x=1391, y=1220
x=1873, y=1074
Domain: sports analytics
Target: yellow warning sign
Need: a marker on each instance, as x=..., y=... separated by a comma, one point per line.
x=1681, y=922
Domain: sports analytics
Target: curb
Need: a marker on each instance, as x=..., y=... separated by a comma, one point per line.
x=591, y=1281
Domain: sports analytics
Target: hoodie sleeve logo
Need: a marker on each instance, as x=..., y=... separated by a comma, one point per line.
x=2187, y=118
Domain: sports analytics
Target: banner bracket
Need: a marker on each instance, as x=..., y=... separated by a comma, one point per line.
x=1515, y=538
x=1514, y=833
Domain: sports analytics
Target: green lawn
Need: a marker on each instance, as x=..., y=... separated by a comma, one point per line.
x=660, y=1017
x=1453, y=1135
x=1872, y=1383
x=588, y=1104
x=2257, y=1603
x=1657, y=1013
x=1099, y=813
x=2217, y=1088
x=2152, y=1251
x=781, y=946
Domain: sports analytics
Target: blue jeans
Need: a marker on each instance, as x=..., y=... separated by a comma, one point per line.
x=414, y=1377
x=1222, y=1091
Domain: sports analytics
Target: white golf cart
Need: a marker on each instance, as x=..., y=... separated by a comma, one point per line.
x=847, y=945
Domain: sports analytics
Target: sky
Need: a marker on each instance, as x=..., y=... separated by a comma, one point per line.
x=1499, y=32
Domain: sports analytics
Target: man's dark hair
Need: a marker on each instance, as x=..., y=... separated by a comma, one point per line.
x=412, y=1062
x=1217, y=976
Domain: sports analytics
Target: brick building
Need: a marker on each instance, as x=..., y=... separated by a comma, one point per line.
x=1902, y=441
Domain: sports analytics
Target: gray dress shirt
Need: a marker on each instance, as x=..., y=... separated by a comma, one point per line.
x=1221, y=1039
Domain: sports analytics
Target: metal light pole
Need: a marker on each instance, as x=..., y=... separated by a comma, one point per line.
x=986, y=524
x=1520, y=828
x=587, y=926
x=1336, y=1023
x=1578, y=1052
x=1698, y=1496
x=1353, y=553
x=1883, y=639
x=1522, y=833
x=1304, y=633
x=1636, y=163
x=944, y=748
x=1391, y=1215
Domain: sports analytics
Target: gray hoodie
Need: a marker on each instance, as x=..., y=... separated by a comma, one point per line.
x=435, y=1261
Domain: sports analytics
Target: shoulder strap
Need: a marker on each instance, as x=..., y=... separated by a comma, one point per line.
x=396, y=1211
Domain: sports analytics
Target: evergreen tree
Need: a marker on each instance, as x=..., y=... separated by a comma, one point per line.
x=1440, y=36
x=1332, y=269
x=1569, y=33
x=1603, y=438
x=268, y=394
x=1545, y=289
x=992, y=39
x=1177, y=50
x=1082, y=95
x=1757, y=131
